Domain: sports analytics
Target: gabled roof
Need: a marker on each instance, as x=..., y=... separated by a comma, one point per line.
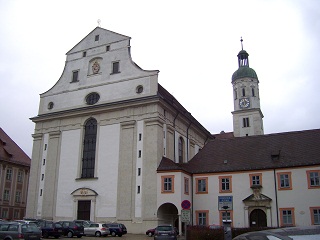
x=110, y=37
x=11, y=152
x=273, y=151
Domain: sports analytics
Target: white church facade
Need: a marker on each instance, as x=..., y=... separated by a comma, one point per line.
x=100, y=135
x=111, y=144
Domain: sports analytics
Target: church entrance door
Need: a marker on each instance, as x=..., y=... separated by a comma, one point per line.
x=84, y=207
x=258, y=218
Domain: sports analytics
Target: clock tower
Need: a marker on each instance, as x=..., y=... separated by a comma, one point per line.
x=247, y=115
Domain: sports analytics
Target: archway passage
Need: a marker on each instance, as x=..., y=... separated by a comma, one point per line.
x=258, y=218
x=167, y=214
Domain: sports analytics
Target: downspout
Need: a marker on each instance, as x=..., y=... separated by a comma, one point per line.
x=191, y=200
x=174, y=136
x=276, y=193
x=188, y=141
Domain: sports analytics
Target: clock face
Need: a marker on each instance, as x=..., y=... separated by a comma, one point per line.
x=244, y=103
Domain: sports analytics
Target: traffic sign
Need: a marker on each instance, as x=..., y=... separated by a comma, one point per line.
x=185, y=204
x=225, y=202
x=185, y=215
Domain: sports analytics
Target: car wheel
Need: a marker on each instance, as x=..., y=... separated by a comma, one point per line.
x=150, y=234
x=98, y=234
x=69, y=234
x=56, y=236
x=79, y=236
x=113, y=234
x=45, y=235
x=119, y=235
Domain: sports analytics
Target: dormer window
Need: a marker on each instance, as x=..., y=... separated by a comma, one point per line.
x=96, y=38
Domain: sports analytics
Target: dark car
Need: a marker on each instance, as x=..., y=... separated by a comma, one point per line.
x=72, y=228
x=117, y=229
x=166, y=232
x=51, y=229
x=16, y=230
x=150, y=232
x=288, y=233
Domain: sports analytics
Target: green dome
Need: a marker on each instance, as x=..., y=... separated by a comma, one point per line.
x=244, y=71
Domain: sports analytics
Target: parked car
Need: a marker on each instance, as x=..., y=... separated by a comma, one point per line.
x=117, y=229
x=35, y=223
x=84, y=223
x=288, y=233
x=51, y=229
x=165, y=232
x=18, y=230
x=72, y=228
x=97, y=229
x=150, y=232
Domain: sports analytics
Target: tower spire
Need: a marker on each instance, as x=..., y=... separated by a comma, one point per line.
x=243, y=59
x=241, y=40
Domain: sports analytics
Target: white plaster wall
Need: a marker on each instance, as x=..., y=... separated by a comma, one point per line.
x=300, y=197
x=107, y=165
x=108, y=93
x=68, y=172
x=107, y=172
x=174, y=198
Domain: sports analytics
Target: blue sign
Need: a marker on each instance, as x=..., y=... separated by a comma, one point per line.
x=225, y=203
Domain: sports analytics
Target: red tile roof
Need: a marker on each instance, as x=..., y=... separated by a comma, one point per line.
x=272, y=151
x=11, y=152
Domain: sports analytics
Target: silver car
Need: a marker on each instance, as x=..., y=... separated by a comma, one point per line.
x=96, y=229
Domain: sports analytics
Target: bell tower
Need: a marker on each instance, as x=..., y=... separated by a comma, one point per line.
x=247, y=115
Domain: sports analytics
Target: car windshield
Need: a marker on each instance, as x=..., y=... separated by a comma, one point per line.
x=29, y=228
x=164, y=228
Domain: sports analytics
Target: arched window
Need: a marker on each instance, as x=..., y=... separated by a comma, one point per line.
x=89, y=148
x=180, y=149
x=243, y=92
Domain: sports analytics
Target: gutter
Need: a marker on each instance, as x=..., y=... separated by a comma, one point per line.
x=276, y=194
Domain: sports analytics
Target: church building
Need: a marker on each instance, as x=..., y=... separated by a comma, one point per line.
x=100, y=135
x=111, y=144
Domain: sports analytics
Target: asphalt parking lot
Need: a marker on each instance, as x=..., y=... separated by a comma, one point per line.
x=124, y=237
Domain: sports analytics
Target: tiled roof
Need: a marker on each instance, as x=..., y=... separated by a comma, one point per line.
x=170, y=99
x=272, y=151
x=11, y=152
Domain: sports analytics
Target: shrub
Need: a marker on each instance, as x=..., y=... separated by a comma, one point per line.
x=204, y=233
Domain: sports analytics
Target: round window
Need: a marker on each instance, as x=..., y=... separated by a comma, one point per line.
x=92, y=98
x=139, y=89
x=50, y=105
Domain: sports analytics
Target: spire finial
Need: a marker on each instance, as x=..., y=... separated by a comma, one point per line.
x=99, y=21
x=241, y=40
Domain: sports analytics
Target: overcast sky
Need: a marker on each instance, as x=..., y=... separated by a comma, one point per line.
x=194, y=44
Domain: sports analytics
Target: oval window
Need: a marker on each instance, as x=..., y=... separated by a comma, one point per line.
x=50, y=105
x=139, y=89
x=92, y=98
